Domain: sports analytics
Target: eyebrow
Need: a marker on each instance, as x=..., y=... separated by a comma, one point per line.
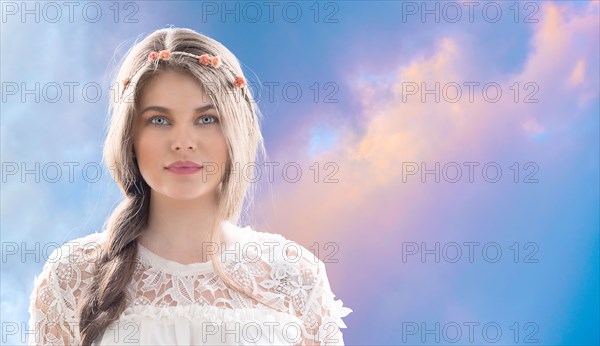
x=166, y=110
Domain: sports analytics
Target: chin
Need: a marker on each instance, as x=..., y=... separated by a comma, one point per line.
x=185, y=194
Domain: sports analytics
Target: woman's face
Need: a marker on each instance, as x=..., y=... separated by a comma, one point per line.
x=176, y=121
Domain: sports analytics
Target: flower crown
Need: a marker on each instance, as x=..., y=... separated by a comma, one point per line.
x=204, y=59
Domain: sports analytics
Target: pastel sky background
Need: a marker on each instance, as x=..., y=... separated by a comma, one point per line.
x=542, y=213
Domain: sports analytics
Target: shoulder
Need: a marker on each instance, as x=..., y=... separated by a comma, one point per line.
x=280, y=250
x=68, y=268
x=267, y=243
x=278, y=271
x=292, y=279
x=80, y=252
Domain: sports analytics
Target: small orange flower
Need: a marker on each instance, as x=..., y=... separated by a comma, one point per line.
x=216, y=61
x=204, y=59
x=152, y=56
x=126, y=81
x=239, y=81
x=164, y=54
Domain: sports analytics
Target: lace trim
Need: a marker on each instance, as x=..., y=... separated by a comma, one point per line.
x=208, y=312
x=158, y=263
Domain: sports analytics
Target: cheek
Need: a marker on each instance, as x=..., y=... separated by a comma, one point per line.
x=222, y=148
x=146, y=141
x=146, y=148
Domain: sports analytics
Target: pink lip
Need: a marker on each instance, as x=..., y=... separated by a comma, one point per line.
x=184, y=167
x=184, y=170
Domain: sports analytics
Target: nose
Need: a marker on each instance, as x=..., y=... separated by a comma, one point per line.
x=183, y=139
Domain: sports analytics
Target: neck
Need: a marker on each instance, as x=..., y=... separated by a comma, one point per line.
x=178, y=229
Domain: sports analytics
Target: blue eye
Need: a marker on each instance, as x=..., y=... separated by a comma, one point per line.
x=209, y=117
x=163, y=122
x=204, y=120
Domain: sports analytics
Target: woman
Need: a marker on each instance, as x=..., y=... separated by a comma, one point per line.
x=172, y=266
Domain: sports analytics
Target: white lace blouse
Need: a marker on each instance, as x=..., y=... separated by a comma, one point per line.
x=170, y=303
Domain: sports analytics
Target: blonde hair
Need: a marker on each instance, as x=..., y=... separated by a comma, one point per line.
x=105, y=298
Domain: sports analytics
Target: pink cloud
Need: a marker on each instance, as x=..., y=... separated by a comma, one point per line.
x=397, y=128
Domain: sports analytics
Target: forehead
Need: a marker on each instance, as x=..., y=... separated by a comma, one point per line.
x=175, y=88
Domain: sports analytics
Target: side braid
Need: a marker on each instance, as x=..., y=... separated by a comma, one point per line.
x=105, y=299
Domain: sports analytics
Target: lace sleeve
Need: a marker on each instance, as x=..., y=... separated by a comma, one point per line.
x=322, y=317
x=49, y=317
x=53, y=301
x=295, y=283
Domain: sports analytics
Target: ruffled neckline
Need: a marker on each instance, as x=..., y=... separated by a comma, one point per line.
x=160, y=263
x=194, y=312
